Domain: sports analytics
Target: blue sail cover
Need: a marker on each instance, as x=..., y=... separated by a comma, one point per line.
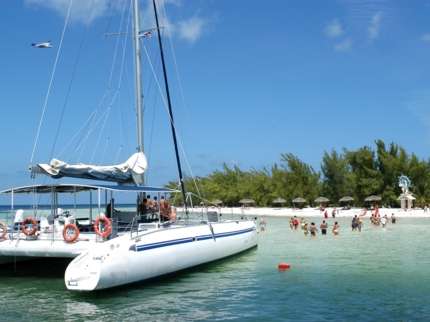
x=128, y=173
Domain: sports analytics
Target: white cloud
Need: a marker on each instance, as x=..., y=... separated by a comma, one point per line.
x=375, y=25
x=79, y=11
x=345, y=45
x=426, y=37
x=192, y=29
x=334, y=29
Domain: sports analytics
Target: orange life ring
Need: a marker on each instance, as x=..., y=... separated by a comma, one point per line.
x=25, y=222
x=66, y=236
x=4, y=230
x=108, y=227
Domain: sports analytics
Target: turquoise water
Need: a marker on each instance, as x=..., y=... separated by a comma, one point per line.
x=376, y=274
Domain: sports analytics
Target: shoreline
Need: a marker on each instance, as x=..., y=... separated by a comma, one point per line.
x=309, y=212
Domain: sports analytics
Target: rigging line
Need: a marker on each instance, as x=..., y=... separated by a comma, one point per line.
x=73, y=76
x=111, y=10
x=120, y=82
x=182, y=96
x=170, y=117
x=50, y=83
x=101, y=131
x=80, y=129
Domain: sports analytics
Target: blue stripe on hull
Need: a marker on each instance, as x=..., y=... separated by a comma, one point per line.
x=191, y=239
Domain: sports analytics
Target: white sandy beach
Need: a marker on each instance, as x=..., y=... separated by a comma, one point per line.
x=310, y=212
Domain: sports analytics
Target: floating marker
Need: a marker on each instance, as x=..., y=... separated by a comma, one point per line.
x=283, y=266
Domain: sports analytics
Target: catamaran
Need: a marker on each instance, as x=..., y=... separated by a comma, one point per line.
x=145, y=250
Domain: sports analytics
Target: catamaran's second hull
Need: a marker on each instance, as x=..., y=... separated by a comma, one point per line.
x=128, y=259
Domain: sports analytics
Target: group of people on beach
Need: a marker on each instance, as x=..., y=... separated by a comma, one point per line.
x=149, y=207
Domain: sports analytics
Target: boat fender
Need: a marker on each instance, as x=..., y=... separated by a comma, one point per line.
x=108, y=227
x=4, y=230
x=67, y=238
x=25, y=222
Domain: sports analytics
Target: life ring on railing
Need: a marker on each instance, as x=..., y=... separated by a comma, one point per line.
x=108, y=226
x=66, y=237
x=25, y=222
x=4, y=230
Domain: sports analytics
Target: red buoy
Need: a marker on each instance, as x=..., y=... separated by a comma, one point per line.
x=283, y=266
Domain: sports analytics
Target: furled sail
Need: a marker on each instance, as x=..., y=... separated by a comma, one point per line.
x=127, y=173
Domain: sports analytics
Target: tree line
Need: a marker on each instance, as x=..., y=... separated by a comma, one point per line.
x=359, y=174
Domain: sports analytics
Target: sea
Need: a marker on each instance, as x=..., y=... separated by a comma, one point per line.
x=377, y=274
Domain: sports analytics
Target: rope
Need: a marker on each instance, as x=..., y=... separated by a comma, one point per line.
x=184, y=104
x=50, y=83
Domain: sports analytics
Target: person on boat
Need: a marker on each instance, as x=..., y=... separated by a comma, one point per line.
x=324, y=227
x=164, y=209
x=313, y=229
x=173, y=213
x=143, y=207
x=110, y=208
x=149, y=203
x=155, y=204
x=393, y=219
x=262, y=224
x=335, y=229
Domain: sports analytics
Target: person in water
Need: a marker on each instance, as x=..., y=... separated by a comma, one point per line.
x=313, y=229
x=324, y=227
x=393, y=219
x=335, y=229
x=296, y=222
x=305, y=228
x=262, y=224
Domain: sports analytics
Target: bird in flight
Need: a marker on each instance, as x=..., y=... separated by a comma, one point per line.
x=43, y=45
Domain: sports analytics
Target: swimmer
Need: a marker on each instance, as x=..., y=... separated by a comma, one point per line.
x=296, y=222
x=305, y=229
x=313, y=229
x=292, y=223
x=324, y=227
x=383, y=222
x=262, y=224
x=335, y=229
x=393, y=219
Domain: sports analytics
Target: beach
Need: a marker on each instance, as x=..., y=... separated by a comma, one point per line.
x=309, y=212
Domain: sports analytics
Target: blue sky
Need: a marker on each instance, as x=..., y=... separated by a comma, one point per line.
x=258, y=78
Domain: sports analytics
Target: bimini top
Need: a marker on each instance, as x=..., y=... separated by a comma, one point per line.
x=77, y=188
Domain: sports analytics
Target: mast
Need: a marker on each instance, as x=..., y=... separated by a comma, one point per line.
x=138, y=76
x=181, y=179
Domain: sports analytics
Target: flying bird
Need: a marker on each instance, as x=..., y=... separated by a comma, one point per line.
x=43, y=45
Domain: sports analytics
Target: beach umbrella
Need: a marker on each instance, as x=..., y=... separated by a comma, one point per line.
x=217, y=202
x=246, y=201
x=321, y=199
x=299, y=200
x=347, y=198
x=372, y=198
x=279, y=200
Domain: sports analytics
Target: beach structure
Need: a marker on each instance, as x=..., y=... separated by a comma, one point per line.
x=406, y=197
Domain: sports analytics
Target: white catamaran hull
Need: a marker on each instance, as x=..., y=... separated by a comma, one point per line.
x=22, y=247
x=129, y=259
